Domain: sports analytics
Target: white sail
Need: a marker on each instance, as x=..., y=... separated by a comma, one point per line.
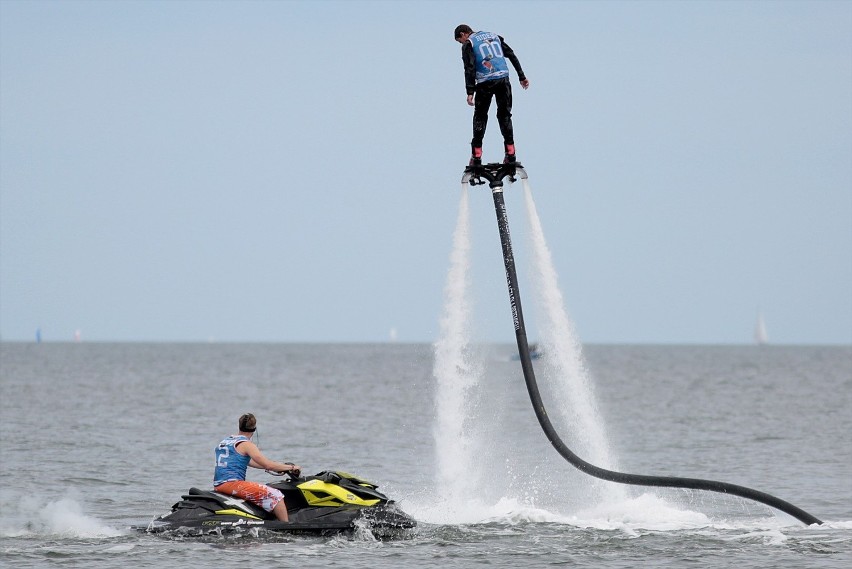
x=760, y=336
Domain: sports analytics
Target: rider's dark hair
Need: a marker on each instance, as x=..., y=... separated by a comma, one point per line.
x=462, y=29
x=248, y=423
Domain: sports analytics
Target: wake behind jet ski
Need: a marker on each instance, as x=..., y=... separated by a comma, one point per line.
x=326, y=503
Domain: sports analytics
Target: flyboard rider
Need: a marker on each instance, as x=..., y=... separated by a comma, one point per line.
x=486, y=76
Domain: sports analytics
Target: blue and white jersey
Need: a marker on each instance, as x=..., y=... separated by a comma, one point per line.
x=230, y=465
x=488, y=52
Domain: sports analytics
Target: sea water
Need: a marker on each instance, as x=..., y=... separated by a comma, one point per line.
x=100, y=437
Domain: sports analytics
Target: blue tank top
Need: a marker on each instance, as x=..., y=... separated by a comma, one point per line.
x=230, y=465
x=488, y=52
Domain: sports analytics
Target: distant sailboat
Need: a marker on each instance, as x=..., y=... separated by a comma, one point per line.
x=760, y=337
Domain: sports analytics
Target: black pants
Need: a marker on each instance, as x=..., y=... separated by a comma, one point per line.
x=501, y=89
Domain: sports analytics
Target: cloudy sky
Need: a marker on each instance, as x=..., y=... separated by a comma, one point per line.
x=289, y=171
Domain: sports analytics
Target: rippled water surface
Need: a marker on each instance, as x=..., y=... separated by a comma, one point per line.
x=100, y=437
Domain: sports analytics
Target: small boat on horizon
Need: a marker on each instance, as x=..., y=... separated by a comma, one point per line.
x=535, y=353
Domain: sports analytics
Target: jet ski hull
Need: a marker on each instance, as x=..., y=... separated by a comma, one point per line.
x=324, y=504
x=382, y=521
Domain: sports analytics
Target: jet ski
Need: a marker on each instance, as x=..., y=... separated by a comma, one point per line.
x=535, y=353
x=330, y=502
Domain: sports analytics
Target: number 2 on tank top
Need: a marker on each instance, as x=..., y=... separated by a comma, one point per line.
x=224, y=453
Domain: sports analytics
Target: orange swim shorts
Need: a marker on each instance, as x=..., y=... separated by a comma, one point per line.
x=260, y=494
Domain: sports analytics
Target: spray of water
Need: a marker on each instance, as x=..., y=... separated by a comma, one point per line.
x=459, y=375
x=464, y=439
x=563, y=368
x=455, y=371
x=33, y=517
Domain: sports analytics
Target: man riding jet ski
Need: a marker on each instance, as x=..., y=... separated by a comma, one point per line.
x=326, y=502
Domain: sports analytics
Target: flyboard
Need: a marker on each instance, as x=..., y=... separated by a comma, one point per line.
x=494, y=174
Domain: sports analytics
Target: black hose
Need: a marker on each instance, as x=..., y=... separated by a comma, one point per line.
x=550, y=432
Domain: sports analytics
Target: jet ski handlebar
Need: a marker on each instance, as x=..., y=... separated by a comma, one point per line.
x=293, y=473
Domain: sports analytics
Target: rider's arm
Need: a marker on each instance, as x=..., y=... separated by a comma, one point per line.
x=469, y=68
x=509, y=54
x=258, y=460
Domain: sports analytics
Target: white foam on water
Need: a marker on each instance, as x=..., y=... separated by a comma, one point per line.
x=29, y=517
x=119, y=549
x=645, y=512
x=641, y=514
x=649, y=512
x=633, y=517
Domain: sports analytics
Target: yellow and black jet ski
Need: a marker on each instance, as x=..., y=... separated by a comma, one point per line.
x=329, y=502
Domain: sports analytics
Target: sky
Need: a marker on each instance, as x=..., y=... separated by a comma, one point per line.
x=289, y=171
